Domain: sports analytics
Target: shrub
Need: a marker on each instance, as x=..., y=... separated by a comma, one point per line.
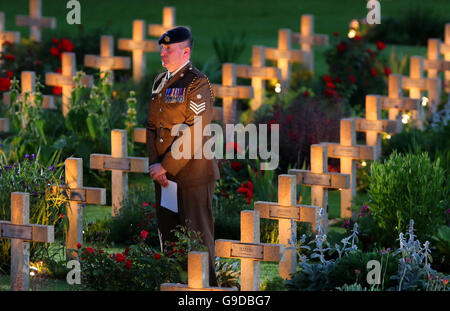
x=46, y=208
x=137, y=213
x=406, y=187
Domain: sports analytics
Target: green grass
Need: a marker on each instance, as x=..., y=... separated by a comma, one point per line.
x=259, y=19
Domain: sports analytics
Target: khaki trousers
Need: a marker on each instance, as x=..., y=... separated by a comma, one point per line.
x=195, y=212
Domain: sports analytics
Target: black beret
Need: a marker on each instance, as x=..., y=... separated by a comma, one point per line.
x=175, y=35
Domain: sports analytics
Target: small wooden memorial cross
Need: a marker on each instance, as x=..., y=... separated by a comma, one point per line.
x=35, y=21
x=4, y=125
x=7, y=36
x=434, y=64
x=250, y=251
x=319, y=179
x=107, y=62
x=120, y=165
x=198, y=276
x=445, y=50
x=284, y=56
x=65, y=80
x=287, y=212
x=28, y=85
x=138, y=46
x=21, y=232
x=229, y=92
x=307, y=38
x=348, y=151
x=395, y=102
x=373, y=125
x=77, y=194
x=168, y=23
x=416, y=83
x=258, y=73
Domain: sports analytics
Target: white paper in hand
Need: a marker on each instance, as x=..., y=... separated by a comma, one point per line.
x=169, y=197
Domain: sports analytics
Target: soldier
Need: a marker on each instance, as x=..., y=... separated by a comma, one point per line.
x=178, y=95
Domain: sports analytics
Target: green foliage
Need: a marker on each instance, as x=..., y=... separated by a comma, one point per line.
x=355, y=70
x=227, y=273
x=46, y=207
x=414, y=26
x=98, y=233
x=137, y=268
x=137, y=214
x=407, y=187
x=275, y=283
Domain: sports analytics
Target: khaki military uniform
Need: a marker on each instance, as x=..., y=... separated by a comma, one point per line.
x=177, y=101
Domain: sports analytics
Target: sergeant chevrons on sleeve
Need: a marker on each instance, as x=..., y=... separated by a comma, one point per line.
x=186, y=95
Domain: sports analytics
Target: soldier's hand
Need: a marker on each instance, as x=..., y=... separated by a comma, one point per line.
x=162, y=180
x=156, y=170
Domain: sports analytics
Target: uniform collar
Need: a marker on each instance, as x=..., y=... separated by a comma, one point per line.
x=171, y=74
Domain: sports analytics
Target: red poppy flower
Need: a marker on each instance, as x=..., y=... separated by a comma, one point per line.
x=90, y=250
x=128, y=264
x=55, y=41
x=373, y=71
x=57, y=90
x=9, y=74
x=119, y=257
x=341, y=47
x=37, y=63
x=336, y=34
x=327, y=79
x=9, y=57
x=59, y=70
x=381, y=46
x=5, y=84
x=54, y=51
x=331, y=85
x=78, y=245
x=236, y=166
x=143, y=234
x=145, y=204
x=331, y=93
x=66, y=45
x=352, y=79
x=306, y=93
x=157, y=256
x=357, y=38
x=387, y=71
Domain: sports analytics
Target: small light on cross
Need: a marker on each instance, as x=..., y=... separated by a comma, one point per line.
x=352, y=33
x=278, y=88
x=388, y=136
x=405, y=118
x=425, y=101
x=354, y=24
x=363, y=163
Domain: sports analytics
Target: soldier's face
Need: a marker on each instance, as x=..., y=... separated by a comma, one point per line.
x=174, y=55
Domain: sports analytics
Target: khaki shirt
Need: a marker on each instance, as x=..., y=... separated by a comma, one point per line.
x=184, y=96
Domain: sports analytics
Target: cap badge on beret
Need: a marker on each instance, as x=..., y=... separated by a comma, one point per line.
x=166, y=38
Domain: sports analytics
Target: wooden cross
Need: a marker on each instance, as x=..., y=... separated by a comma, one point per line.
x=287, y=212
x=416, y=83
x=65, y=80
x=307, y=38
x=4, y=125
x=198, y=276
x=21, y=232
x=107, y=62
x=77, y=194
x=319, y=179
x=284, y=55
x=35, y=21
x=434, y=64
x=348, y=151
x=229, y=92
x=28, y=85
x=257, y=72
x=373, y=125
x=168, y=23
x=250, y=251
x=120, y=165
x=395, y=102
x=138, y=46
x=7, y=36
